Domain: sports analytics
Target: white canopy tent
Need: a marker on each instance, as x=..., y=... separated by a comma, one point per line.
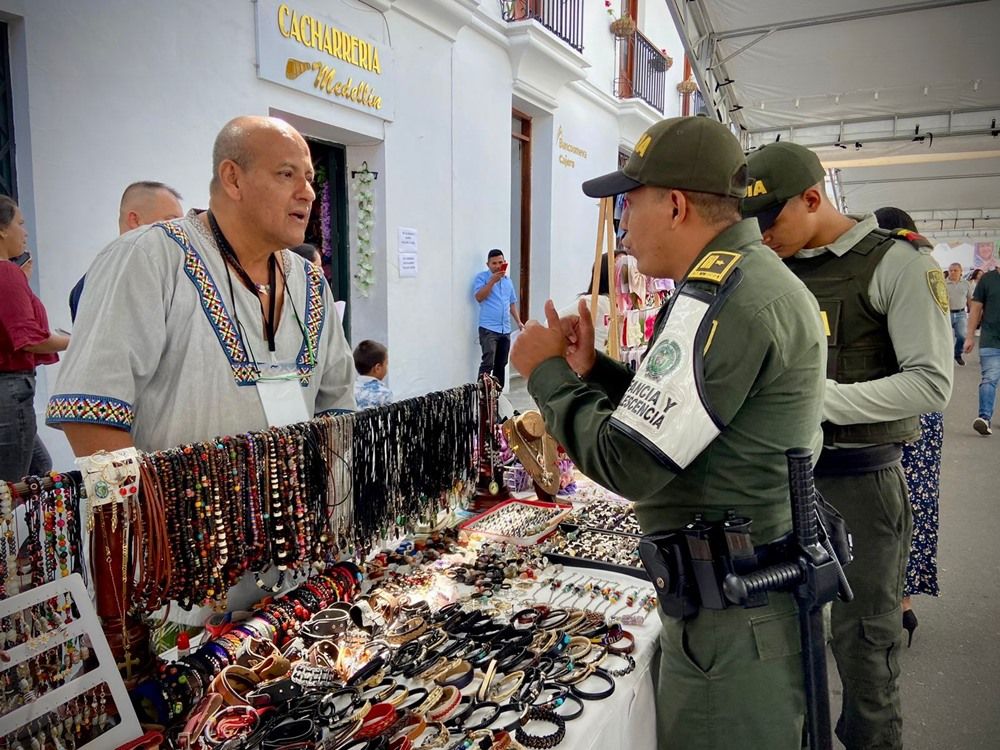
x=900, y=99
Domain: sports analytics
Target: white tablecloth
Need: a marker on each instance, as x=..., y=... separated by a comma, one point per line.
x=627, y=718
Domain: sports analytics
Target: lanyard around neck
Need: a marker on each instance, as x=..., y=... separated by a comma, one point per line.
x=231, y=259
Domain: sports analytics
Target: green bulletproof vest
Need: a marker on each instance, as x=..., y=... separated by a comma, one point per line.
x=857, y=334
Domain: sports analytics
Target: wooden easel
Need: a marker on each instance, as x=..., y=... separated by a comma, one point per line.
x=606, y=238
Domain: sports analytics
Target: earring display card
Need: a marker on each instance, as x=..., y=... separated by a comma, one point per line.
x=61, y=687
x=521, y=522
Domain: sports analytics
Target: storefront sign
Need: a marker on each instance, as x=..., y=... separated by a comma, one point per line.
x=310, y=51
x=569, y=148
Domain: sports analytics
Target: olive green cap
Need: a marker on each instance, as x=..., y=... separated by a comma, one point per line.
x=778, y=171
x=685, y=153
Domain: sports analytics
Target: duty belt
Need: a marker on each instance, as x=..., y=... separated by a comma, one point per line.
x=854, y=461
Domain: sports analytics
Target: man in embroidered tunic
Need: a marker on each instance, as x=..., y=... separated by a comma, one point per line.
x=171, y=336
x=732, y=379
x=885, y=310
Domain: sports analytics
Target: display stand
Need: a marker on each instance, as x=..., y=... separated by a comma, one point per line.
x=43, y=712
x=606, y=244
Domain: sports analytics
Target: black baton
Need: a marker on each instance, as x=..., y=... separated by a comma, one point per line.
x=813, y=577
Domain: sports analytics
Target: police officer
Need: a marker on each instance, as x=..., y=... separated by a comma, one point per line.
x=885, y=311
x=732, y=378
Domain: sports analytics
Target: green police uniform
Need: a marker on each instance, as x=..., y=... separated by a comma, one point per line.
x=885, y=316
x=703, y=426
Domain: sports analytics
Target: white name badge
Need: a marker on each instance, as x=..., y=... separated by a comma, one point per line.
x=281, y=395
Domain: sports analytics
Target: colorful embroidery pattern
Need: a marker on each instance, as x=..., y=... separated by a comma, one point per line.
x=313, y=323
x=244, y=371
x=83, y=407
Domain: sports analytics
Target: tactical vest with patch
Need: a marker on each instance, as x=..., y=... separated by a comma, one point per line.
x=857, y=334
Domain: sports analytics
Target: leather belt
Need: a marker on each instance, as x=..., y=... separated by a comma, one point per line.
x=853, y=461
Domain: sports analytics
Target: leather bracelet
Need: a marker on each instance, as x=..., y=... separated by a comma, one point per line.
x=379, y=718
x=553, y=619
x=623, y=635
x=576, y=674
x=527, y=617
x=274, y=694
x=436, y=668
x=466, y=705
x=366, y=672
x=446, y=706
x=413, y=726
x=482, y=724
x=230, y=724
x=432, y=698
x=440, y=739
x=484, y=687
x=508, y=708
x=199, y=718
x=458, y=674
x=380, y=692
x=234, y=684
x=397, y=695
x=627, y=669
x=578, y=647
x=414, y=699
x=506, y=686
x=600, y=695
x=563, y=697
x=540, y=741
x=289, y=733
x=576, y=622
x=411, y=629
x=328, y=708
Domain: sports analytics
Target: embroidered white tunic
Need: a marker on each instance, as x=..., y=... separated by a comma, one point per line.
x=156, y=350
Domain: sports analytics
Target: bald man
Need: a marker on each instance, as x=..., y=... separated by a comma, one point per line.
x=213, y=328
x=142, y=203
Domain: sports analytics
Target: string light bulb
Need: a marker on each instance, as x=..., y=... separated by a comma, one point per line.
x=836, y=99
x=796, y=104
x=926, y=89
x=876, y=94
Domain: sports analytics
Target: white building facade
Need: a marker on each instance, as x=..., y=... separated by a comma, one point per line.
x=480, y=128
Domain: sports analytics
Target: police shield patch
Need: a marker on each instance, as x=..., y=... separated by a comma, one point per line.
x=663, y=360
x=935, y=280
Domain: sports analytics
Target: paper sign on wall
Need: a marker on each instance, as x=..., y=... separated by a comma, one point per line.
x=407, y=264
x=408, y=240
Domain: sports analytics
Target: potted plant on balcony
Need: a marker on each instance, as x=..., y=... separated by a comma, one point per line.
x=660, y=62
x=623, y=26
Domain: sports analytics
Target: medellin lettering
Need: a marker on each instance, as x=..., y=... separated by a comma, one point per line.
x=362, y=93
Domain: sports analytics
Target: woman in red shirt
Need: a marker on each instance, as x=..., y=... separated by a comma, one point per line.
x=25, y=342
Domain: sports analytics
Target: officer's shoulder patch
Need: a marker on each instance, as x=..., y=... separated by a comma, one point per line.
x=716, y=266
x=935, y=280
x=917, y=240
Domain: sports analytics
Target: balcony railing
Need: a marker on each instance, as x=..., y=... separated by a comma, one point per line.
x=564, y=18
x=642, y=71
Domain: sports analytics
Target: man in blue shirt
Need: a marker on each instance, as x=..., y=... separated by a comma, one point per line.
x=495, y=294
